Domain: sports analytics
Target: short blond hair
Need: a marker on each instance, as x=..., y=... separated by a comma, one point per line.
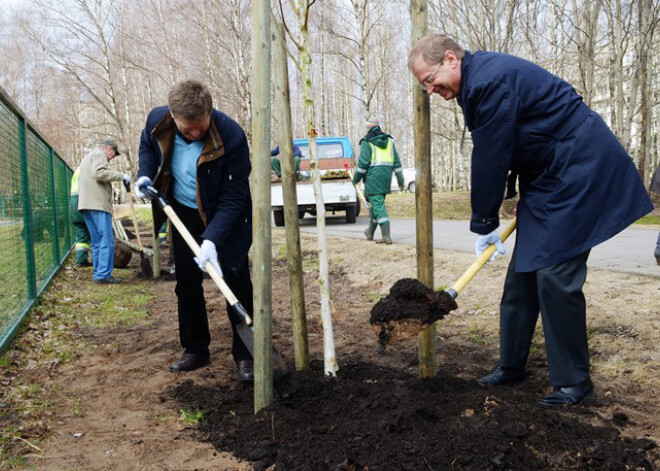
x=190, y=100
x=433, y=47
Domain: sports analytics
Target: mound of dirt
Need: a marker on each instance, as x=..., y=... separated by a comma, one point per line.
x=382, y=419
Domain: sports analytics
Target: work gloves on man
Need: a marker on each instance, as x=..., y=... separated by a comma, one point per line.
x=208, y=253
x=483, y=241
x=140, y=185
x=127, y=180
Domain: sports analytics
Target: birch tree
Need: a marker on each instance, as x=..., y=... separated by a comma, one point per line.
x=303, y=60
x=80, y=46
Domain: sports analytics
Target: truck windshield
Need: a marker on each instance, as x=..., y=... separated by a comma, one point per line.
x=325, y=151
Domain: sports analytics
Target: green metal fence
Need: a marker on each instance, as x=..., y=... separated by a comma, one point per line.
x=35, y=234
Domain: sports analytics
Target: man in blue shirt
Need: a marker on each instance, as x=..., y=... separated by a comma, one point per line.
x=199, y=158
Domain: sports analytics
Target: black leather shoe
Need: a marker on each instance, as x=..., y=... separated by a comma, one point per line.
x=500, y=377
x=189, y=362
x=111, y=280
x=246, y=371
x=569, y=395
x=86, y=263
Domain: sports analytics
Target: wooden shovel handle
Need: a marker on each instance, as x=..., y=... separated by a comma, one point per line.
x=215, y=276
x=480, y=262
x=357, y=188
x=135, y=223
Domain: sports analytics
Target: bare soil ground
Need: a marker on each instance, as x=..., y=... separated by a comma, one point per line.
x=118, y=407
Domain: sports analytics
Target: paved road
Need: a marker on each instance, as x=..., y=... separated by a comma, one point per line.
x=631, y=251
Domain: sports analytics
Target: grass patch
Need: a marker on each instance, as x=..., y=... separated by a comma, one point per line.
x=142, y=214
x=649, y=219
x=311, y=264
x=478, y=336
x=371, y=297
x=455, y=205
x=193, y=417
x=51, y=337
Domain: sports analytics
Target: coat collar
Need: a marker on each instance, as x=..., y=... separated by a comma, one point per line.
x=213, y=146
x=465, y=71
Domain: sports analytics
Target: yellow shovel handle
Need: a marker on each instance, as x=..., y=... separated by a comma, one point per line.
x=480, y=262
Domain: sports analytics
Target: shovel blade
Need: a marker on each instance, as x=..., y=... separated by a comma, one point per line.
x=246, y=334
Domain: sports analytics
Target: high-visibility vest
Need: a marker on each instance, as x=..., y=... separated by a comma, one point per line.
x=74, y=182
x=382, y=157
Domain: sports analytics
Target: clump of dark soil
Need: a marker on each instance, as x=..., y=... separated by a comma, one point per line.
x=382, y=419
x=410, y=299
x=409, y=308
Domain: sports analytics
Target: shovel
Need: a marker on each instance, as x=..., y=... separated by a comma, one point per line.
x=145, y=266
x=479, y=263
x=396, y=330
x=357, y=188
x=244, y=329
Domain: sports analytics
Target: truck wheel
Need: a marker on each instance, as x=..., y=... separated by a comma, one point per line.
x=411, y=187
x=278, y=215
x=358, y=206
x=301, y=213
x=350, y=213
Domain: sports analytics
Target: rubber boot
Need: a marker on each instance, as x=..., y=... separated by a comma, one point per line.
x=369, y=231
x=385, y=231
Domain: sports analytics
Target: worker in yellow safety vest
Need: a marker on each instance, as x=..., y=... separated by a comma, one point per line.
x=81, y=233
x=378, y=159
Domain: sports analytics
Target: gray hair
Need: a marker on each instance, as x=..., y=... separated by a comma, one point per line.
x=433, y=47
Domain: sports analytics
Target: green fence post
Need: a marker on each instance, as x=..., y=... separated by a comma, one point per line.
x=55, y=241
x=27, y=211
x=67, y=216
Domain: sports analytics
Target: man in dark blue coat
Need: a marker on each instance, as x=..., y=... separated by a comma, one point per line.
x=199, y=158
x=655, y=187
x=578, y=187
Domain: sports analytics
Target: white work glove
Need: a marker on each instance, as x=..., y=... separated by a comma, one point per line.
x=483, y=241
x=127, y=180
x=141, y=183
x=207, y=253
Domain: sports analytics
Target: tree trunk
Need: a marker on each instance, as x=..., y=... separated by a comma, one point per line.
x=294, y=251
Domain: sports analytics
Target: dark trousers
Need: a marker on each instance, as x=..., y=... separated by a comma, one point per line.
x=556, y=292
x=193, y=321
x=82, y=238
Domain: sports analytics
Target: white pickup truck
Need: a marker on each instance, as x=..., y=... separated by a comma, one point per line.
x=409, y=175
x=339, y=194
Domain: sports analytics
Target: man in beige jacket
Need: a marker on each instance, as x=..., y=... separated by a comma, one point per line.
x=95, y=203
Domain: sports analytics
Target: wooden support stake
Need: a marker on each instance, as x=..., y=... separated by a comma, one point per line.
x=262, y=257
x=423, y=197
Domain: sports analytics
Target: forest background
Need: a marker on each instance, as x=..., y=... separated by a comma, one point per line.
x=86, y=69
